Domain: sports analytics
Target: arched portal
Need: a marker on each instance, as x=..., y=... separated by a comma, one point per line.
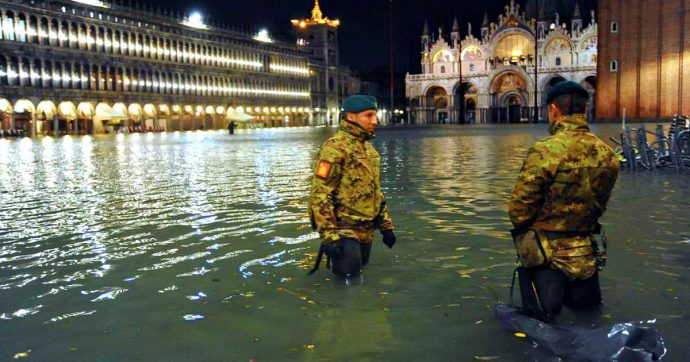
x=437, y=102
x=209, y=113
x=505, y=88
x=67, y=114
x=176, y=113
x=136, y=114
x=163, y=116
x=24, y=111
x=46, y=118
x=84, y=124
x=6, y=110
x=150, y=116
x=461, y=93
x=514, y=105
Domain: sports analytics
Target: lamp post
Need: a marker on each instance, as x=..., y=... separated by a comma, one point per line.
x=536, y=65
x=392, y=80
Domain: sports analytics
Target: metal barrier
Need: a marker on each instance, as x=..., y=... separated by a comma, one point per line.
x=668, y=150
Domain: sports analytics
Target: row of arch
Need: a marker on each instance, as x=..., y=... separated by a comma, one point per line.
x=15, y=71
x=90, y=117
x=507, y=100
x=42, y=30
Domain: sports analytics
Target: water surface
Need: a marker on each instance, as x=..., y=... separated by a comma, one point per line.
x=189, y=246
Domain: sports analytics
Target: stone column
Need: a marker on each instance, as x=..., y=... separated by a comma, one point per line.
x=56, y=125
x=34, y=124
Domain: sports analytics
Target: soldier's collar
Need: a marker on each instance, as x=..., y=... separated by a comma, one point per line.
x=355, y=130
x=570, y=123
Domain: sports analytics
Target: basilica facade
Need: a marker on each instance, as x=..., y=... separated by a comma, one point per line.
x=492, y=79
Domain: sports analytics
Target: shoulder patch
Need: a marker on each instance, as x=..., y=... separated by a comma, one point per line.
x=323, y=169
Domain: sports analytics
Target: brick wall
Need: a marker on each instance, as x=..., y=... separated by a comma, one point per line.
x=652, y=48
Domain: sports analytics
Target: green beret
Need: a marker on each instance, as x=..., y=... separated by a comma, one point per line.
x=359, y=103
x=563, y=88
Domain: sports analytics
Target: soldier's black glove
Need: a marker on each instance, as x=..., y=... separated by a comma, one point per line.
x=388, y=238
x=333, y=250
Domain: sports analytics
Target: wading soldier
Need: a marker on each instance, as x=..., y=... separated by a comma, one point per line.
x=346, y=203
x=561, y=192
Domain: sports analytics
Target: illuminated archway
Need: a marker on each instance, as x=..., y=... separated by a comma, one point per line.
x=84, y=124
x=6, y=111
x=150, y=114
x=135, y=113
x=46, y=119
x=438, y=100
x=509, y=97
x=24, y=111
x=164, y=117
x=515, y=49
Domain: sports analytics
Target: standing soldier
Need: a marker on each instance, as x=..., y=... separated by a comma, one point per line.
x=561, y=192
x=346, y=203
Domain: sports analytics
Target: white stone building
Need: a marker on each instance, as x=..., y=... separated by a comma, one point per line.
x=492, y=79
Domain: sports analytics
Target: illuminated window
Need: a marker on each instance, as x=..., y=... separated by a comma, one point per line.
x=558, y=61
x=614, y=66
x=514, y=46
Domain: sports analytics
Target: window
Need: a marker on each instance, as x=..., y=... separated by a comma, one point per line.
x=558, y=61
x=471, y=67
x=614, y=66
x=443, y=69
x=614, y=26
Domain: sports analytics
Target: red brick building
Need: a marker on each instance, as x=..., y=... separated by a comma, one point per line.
x=644, y=59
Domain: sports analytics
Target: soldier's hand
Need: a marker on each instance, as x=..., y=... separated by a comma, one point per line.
x=389, y=238
x=333, y=250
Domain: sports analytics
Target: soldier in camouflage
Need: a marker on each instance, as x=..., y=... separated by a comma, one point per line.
x=346, y=202
x=562, y=191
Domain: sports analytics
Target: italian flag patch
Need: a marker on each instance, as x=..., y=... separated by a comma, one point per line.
x=323, y=169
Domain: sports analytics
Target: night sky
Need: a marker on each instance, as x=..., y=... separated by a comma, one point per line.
x=364, y=33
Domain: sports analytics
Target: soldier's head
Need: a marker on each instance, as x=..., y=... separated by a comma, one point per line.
x=361, y=110
x=566, y=98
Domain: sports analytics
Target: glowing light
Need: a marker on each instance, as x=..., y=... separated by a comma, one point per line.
x=289, y=69
x=92, y=3
x=263, y=36
x=195, y=20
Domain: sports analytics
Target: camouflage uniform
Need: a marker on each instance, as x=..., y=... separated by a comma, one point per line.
x=346, y=192
x=563, y=187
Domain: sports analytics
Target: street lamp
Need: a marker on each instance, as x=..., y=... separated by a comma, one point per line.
x=536, y=65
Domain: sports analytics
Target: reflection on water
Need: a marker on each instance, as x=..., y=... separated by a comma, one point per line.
x=193, y=245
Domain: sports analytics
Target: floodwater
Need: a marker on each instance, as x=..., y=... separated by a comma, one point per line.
x=191, y=246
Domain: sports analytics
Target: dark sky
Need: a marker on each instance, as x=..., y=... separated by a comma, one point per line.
x=364, y=33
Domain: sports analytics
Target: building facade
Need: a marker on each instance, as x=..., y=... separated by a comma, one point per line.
x=80, y=66
x=492, y=78
x=331, y=82
x=644, y=54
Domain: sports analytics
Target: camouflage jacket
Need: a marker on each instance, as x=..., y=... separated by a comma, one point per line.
x=346, y=192
x=563, y=187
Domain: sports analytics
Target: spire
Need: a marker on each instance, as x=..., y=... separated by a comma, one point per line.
x=456, y=26
x=426, y=28
x=576, y=13
x=316, y=13
x=485, y=23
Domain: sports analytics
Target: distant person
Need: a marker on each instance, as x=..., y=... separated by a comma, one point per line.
x=346, y=202
x=231, y=127
x=561, y=192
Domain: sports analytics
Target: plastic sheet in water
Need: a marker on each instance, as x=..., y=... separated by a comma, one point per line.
x=632, y=342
